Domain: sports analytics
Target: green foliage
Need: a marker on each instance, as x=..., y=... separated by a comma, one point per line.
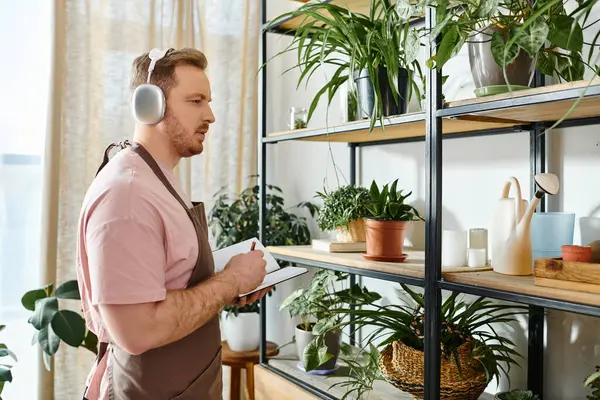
x=363, y=372
x=460, y=322
x=388, y=204
x=594, y=383
x=5, y=369
x=348, y=41
x=54, y=325
x=342, y=205
x=542, y=29
x=315, y=302
x=518, y=394
x=235, y=221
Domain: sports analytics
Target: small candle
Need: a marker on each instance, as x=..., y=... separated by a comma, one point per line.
x=476, y=257
x=478, y=239
x=454, y=248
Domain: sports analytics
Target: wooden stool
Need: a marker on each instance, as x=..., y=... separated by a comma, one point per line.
x=243, y=359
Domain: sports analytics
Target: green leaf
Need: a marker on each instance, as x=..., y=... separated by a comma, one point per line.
x=311, y=357
x=322, y=326
x=546, y=63
x=44, y=312
x=502, y=55
x=533, y=39
x=592, y=378
x=91, y=342
x=47, y=360
x=404, y=9
x=449, y=41
x=4, y=351
x=291, y=298
x=487, y=8
x=5, y=374
x=69, y=326
x=565, y=32
x=2, y=327
x=28, y=300
x=68, y=290
x=324, y=356
x=48, y=340
x=412, y=46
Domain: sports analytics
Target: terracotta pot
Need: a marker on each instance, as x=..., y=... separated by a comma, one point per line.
x=385, y=239
x=576, y=253
x=354, y=233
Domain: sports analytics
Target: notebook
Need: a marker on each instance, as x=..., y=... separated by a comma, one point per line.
x=275, y=274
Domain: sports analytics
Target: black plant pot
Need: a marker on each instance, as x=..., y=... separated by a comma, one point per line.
x=366, y=95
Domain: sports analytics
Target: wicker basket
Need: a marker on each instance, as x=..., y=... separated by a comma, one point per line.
x=404, y=367
x=354, y=233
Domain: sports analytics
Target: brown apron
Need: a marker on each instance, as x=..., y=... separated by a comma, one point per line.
x=188, y=369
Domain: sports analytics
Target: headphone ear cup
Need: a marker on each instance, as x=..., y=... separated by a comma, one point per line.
x=148, y=104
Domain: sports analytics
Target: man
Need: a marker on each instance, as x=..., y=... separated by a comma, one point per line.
x=144, y=265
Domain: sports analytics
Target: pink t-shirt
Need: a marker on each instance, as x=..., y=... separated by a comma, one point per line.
x=135, y=242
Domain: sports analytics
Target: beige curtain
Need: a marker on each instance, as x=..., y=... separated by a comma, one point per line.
x=95, y=43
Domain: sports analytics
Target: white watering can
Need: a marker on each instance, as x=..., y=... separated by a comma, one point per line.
x=510, y=237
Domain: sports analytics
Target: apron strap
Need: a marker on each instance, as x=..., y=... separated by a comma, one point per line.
x=122, y=144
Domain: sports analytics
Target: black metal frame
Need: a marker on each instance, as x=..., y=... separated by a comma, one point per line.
x=433, y=283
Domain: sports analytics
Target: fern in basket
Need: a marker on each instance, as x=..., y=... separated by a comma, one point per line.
x=460, y=322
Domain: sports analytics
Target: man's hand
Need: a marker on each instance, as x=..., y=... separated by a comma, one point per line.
x=242, y=301
x=246, y=271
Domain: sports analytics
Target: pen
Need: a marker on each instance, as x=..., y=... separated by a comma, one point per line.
x=253, y=246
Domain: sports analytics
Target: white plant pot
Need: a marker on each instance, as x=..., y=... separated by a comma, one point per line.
x=242, y=332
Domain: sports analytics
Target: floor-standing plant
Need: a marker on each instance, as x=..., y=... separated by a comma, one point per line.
x=5, y=369
x=54, y=325
x=377, y=50
x=318, y=338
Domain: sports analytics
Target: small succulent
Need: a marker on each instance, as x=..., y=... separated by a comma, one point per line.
x=388, y=204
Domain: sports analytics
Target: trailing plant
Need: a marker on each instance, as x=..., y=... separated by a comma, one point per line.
x=594, y=383
x=342, y=205
x=363, y=372
x=313, y=306
x=54, y=325
x=460, y=323
x=233, y=221
x=349, y=41
x=5, y=369
x=388, y=204
x=518, y=394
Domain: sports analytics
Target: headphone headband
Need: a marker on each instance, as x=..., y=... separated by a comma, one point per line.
x=155, y=55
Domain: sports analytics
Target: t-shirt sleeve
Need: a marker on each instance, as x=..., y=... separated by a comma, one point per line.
x=126, y=259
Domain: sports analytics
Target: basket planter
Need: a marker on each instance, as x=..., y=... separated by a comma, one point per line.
x=404, y=367
x=354, y=233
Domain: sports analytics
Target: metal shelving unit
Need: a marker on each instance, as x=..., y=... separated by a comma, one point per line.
x=530, y=110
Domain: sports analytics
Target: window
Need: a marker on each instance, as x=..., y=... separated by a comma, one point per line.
x=25, y=74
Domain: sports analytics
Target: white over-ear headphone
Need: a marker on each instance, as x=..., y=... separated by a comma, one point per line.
x=148, y=102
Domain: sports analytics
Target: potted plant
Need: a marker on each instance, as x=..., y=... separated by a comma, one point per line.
x=594, y=383
x=54, y=325
x=517, y=394
x=241, y=326
x=386, y=222
x=378, y=51
x=233, y=221
x=472, y=352
x=508, y=39
x=342, y=211
x=318, y=340
x=5, y=369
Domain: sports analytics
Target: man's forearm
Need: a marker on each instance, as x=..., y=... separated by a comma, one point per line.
x=140, y=327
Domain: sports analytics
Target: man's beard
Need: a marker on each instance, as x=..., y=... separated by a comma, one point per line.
x=187, y=144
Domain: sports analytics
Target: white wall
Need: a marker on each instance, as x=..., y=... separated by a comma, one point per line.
x=473, y=175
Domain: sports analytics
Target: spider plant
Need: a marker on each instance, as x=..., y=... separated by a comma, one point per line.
x=460, y=322
x=352, y=42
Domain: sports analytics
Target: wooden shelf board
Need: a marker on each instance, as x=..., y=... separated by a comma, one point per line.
x=551, y=110
x=357, y=132
x=521, y=285
x=414, y=266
